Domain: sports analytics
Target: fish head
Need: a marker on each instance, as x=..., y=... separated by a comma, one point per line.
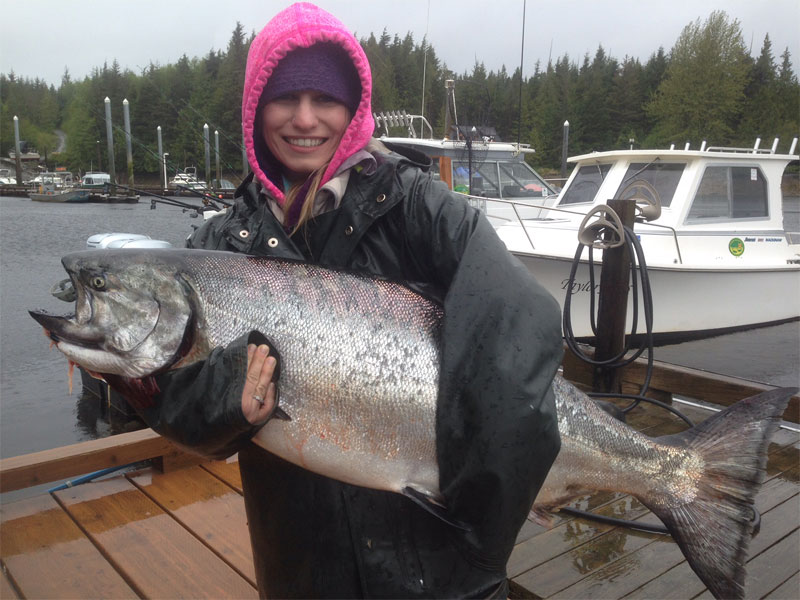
x=133, y=312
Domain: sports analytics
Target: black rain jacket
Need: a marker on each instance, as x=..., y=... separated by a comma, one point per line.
x=496, y=425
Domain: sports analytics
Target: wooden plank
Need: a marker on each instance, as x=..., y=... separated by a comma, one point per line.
x=779, y=563
x=210, y=509
x=684, y=381
x=38, y=537
x=7, y=590
x=148, y=546
x=566, y=569
x=681, y=582
x=788, y=590
x=78, y=459
x=227, y=471
x=571, y=533
x=626, y=574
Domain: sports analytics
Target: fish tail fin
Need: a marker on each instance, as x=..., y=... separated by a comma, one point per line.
x=714, y=529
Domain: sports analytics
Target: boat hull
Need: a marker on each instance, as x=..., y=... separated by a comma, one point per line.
x=72, y=196
x=687, y=302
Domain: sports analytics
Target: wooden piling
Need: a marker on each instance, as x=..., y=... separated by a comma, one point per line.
x=613, y=303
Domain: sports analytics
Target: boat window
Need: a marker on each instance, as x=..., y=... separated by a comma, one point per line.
x=484, y=178
x=731, y=193
x=518, y=180
x=664, y=177
x=435, y=169
x=585, y=185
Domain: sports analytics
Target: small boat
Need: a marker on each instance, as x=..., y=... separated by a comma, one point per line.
x=187, y=180
x=99, y=185
x=716, y=251
x=6, y=178
x=58, y=187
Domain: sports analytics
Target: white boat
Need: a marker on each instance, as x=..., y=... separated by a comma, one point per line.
x=187, y=180
x=717, y=255
x=6, y=178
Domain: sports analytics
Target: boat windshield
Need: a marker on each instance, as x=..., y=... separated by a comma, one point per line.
x=664, y=177
x=518, y=180
x=499, y=179
x=586, y=184
x=484, y=178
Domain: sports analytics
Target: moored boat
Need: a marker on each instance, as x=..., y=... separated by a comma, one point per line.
x=58, y=187
x=717, y=254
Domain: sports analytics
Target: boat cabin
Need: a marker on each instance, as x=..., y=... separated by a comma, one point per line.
x=712, y=206
x=473, y=161
x=95, y=180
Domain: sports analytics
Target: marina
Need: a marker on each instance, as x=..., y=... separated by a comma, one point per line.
x=131, y=528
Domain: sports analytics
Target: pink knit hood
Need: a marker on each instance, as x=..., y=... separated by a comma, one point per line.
x=299, y=26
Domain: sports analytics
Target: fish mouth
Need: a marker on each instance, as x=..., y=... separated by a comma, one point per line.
x=64, y=329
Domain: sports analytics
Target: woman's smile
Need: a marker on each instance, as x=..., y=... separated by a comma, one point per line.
x=303, y=129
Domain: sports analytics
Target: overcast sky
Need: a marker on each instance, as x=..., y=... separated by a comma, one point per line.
x=43, y=37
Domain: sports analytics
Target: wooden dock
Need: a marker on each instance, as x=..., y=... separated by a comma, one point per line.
x=180, y=531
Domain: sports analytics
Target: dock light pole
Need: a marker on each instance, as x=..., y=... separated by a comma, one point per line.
x=207, y=144
x=17, y=155
x=564, y=145
x=216, y=155
x=161, y=155
x=164, y=157
x=110, y=141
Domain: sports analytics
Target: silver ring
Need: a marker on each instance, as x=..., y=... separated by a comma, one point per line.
x=258, y=399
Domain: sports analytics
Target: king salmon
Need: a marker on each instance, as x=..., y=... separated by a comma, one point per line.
x=359, y=381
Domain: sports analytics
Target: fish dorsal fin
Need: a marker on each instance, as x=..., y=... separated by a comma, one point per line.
x=428, y=504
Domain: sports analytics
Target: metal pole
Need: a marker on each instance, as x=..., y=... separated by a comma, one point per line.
x=161, y=155
x=207, y=144
x=216, y=155
x=17, y=155
x=110, y=141
x=129, y=152
x=564, y=144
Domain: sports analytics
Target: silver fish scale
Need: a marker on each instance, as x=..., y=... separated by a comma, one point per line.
x=610, y=455
x=359, y=364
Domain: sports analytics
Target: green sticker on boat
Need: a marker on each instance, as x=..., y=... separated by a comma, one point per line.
x=736, y=246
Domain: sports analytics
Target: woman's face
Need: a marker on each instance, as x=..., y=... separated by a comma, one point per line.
x=303, y=129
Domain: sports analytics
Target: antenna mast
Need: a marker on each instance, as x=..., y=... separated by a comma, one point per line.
x=521, y=58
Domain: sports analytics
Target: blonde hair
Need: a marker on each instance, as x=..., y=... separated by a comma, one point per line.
x=306, y=212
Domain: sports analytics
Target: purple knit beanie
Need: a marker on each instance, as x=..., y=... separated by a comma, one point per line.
x=324, y=67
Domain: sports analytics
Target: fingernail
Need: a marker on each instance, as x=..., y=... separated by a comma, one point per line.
x=251, y=348
x=271, y=361
x=263, y=349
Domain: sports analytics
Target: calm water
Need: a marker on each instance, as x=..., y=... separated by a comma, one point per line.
x=36, y=410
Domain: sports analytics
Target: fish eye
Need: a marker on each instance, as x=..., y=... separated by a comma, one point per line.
x=98, y=282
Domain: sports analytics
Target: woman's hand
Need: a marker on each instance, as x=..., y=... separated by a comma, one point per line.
x=258, y=396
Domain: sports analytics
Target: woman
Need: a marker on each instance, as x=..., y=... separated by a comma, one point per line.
x=324, y=191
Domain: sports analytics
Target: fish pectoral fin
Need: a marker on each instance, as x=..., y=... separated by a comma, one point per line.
x=431, y=506
x=280, y=414
x=541, y=517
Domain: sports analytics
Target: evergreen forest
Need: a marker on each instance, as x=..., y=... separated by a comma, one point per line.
x=707, y=87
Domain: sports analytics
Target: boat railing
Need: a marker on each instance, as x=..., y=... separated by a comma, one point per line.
x=400, y=118
x=480, y=203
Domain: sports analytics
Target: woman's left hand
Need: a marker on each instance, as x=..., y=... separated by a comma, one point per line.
x=259, y=393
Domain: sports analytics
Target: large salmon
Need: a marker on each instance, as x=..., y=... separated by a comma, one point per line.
x=360, y=367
